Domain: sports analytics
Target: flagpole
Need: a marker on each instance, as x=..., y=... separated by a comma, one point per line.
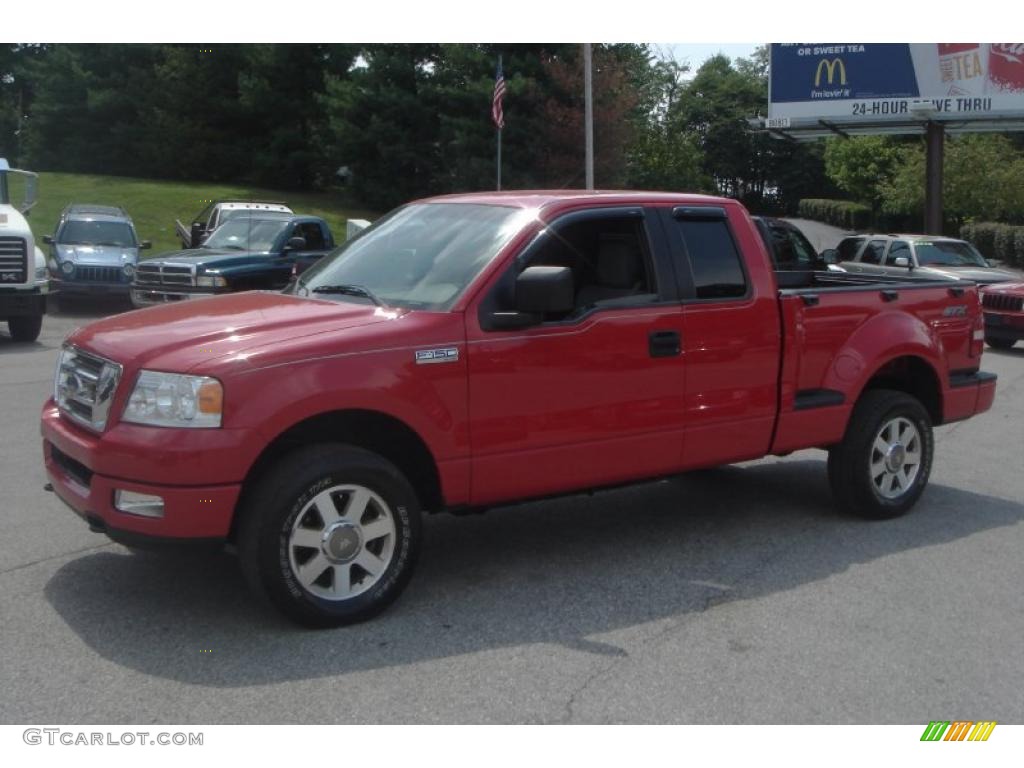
x=499, y=137
x=588, y=115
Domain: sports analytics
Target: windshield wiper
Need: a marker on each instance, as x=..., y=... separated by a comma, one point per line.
x=350, y=290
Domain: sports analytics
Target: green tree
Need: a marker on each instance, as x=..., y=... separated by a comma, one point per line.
x=861, y=166
x=983, y=180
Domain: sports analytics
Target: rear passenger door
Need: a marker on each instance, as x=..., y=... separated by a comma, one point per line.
x=872, y=257
x=731, y=335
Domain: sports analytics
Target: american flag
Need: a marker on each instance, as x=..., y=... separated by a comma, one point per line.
x=499, y=93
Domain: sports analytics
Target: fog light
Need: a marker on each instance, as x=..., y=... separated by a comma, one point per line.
x=142, y=504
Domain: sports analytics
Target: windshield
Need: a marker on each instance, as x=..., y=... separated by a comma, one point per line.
x=116, y=233
x=948, y=254
x=420, y=256
x=247, y=234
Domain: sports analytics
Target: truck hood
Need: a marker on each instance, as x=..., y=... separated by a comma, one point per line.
x=180, y=336
x=208, y=258
x=99, y=255
x=977, y=274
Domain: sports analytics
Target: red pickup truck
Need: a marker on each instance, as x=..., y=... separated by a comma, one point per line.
x=472, y=351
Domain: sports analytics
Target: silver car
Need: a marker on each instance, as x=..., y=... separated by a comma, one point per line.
x=937, y=258
x=93, y=251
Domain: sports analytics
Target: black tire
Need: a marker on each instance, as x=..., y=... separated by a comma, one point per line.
x=271, y=511
x=1000, y=343
x=849, y=463
x=25, y=329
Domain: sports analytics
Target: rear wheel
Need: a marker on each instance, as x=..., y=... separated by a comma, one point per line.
x=999, y=343
x=331, y=536
x=25, y=328
x=882, y=465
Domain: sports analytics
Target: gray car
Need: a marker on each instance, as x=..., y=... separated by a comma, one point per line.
x=942, y=258
x=93, y=251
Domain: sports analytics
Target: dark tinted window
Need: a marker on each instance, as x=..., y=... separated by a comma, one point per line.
x=896, y=250
x=873, y=253
x=717, y=272
x=792, y=251
x=313, y=235
x=848, y=248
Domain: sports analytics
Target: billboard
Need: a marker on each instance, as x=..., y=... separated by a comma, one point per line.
x=849, y=83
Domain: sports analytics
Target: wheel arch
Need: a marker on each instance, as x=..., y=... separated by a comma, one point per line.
x=374, y=431
x=913, y=374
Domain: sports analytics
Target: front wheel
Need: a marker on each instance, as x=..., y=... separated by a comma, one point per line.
x=330, y=535
x=881, y=467
x=25, y=329
x=999, y=343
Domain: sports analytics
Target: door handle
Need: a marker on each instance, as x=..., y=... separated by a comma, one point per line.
x=664, y=343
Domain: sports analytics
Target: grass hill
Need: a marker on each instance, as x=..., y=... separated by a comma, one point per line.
x=154, y=205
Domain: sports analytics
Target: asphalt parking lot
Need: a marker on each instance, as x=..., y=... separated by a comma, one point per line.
x=736, y=595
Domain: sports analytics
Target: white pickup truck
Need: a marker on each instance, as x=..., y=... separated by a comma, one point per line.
x=24, y=283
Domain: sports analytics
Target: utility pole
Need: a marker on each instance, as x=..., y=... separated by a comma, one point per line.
x=933, y=179
x=588, y=99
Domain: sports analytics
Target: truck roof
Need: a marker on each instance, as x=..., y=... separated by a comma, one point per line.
x=87, y=210
x=547, y=198
x=254, y=205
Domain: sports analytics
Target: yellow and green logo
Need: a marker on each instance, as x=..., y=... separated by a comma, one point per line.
x=958, y=730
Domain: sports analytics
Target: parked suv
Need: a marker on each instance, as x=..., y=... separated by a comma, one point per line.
x=941, y=258
x=94, y=250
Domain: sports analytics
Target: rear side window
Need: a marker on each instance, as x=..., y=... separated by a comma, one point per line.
x=717, y=270
x=873, y=253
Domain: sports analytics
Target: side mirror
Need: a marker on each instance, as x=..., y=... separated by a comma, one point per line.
x=539, y=291
x=830, y=256
x=145, y=244
x=48, y=239
x=901, y=261
x=295, y=244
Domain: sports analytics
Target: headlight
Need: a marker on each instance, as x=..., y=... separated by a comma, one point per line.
x=129, y=270
x=175, y=400
x=211, y=281
x=41, y=272
x=67, y=267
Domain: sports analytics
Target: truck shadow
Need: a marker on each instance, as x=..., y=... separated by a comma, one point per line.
x=553, y=572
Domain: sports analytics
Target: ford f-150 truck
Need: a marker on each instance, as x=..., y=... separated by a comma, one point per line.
x=472, y=351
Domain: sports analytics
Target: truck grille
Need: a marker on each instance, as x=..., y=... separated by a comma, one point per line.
x=1002, y=302
x=13, y=260
x=85, y=387
x=164, y=274
x=90, y=274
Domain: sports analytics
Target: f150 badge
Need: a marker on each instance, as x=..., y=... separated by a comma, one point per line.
x=443, y=355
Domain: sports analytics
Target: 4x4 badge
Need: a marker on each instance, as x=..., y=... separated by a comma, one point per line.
x=444, y=355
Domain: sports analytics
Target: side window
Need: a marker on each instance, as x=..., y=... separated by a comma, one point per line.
x=873, y=253
x=609, y=258
x=896, y=250
x=313, y=235
x=847, y=250
x=717, y=270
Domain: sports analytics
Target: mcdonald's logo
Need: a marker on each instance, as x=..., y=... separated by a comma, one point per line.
x=829, y=67
x=959, y=730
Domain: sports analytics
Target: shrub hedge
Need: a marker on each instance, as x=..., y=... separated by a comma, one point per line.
x=838, y=213
x=996, y=241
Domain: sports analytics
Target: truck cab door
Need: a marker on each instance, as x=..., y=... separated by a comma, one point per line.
x=590, y=398
x=731, y=334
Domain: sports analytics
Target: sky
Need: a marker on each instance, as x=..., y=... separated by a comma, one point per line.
x=697, y=53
